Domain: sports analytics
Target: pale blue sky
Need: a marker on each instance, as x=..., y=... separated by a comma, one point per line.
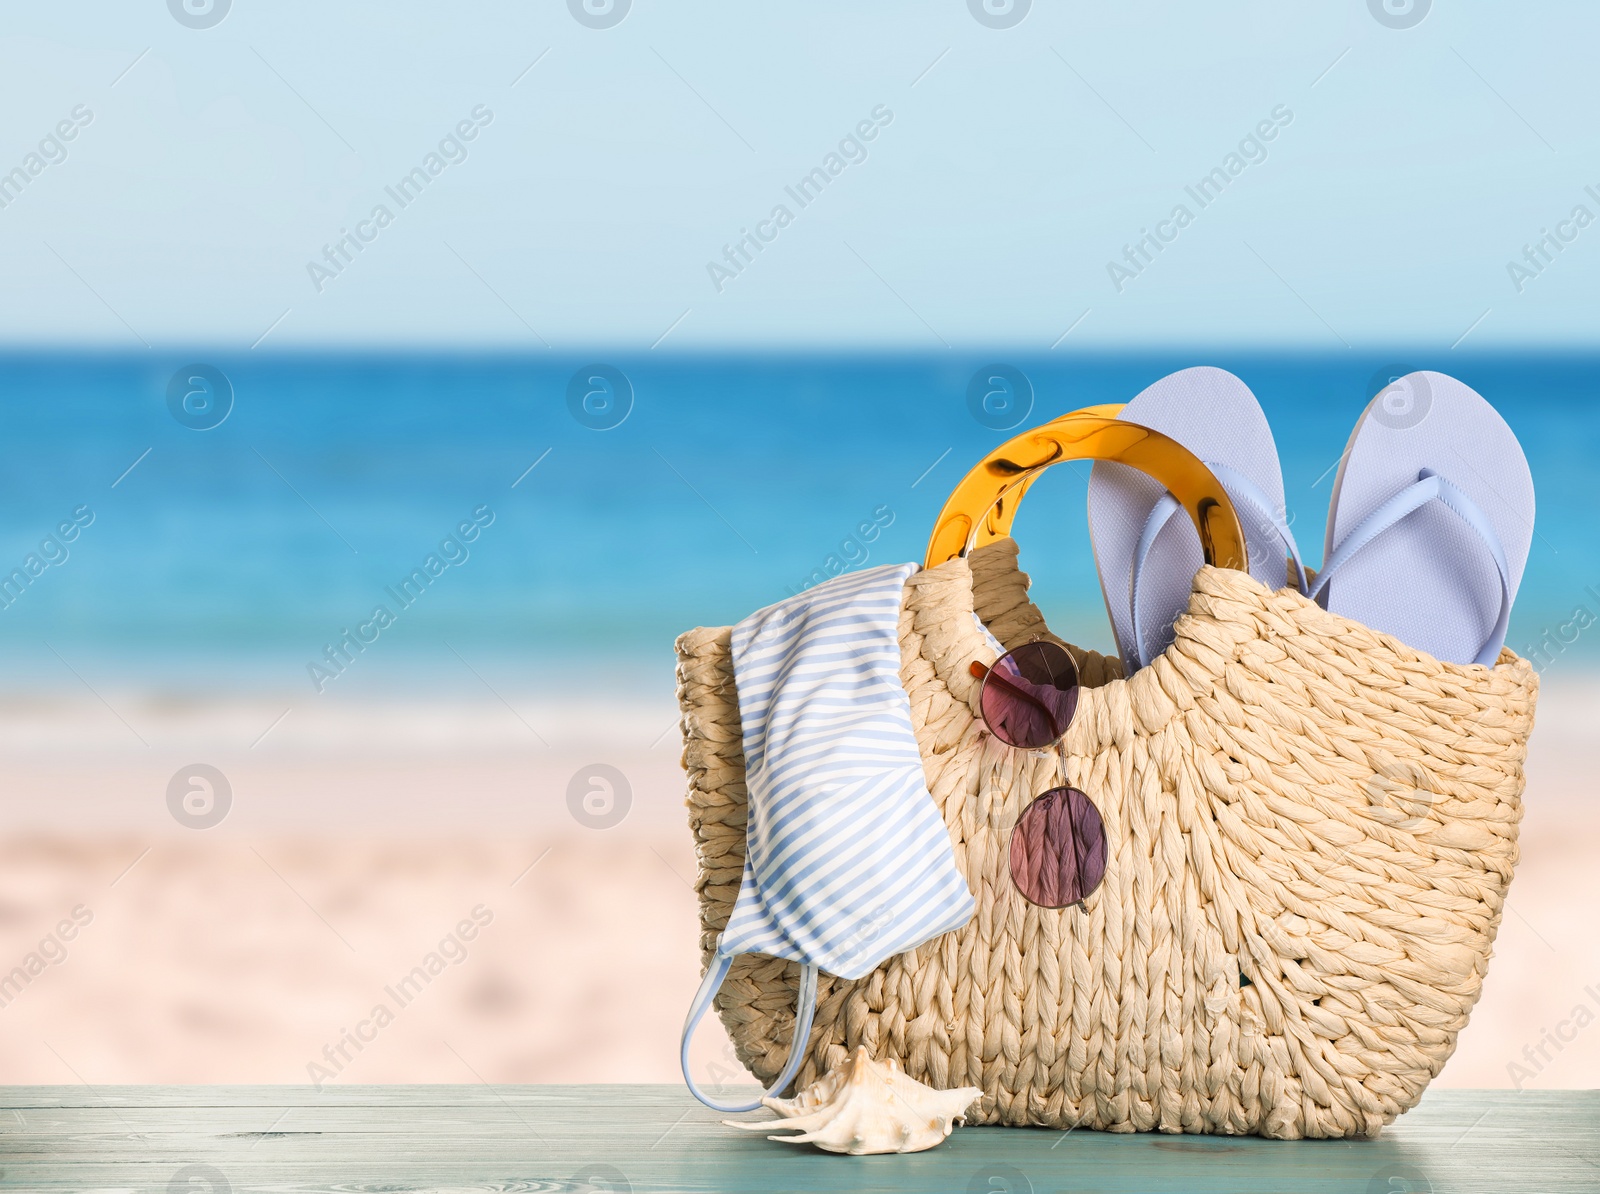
x=1017, y=164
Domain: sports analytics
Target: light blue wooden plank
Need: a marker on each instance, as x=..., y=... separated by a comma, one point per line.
x=654, y=1138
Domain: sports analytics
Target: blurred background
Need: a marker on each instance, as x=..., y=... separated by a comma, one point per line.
x=487, y=318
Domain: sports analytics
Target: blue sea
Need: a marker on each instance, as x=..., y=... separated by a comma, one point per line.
x=231, y=556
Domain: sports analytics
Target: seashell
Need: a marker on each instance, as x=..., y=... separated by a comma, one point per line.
x=866, y=1106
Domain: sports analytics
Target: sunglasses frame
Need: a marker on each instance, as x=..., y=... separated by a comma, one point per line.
x=1066, y=792
x=987, y=672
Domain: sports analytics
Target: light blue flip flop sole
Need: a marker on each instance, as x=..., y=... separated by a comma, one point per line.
x=1430, y=521
x=1145, y=549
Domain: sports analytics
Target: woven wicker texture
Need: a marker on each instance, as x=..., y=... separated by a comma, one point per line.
x=1311, y=831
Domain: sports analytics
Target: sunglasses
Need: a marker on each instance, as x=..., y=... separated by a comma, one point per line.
x=1058, y=847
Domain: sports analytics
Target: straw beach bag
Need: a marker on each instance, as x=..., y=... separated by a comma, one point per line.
x=1310, y=826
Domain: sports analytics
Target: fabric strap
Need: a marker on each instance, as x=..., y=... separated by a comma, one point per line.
x=1429, y=487
x=1245, y=493
x=805, y=1007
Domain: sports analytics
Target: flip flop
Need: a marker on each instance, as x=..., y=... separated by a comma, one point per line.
x=1147, y=554
x=1430, y=521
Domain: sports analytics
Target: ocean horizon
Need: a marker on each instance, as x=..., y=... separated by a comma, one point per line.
x=236, y=556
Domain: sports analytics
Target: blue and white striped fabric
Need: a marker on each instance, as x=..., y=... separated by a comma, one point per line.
x=848, y=861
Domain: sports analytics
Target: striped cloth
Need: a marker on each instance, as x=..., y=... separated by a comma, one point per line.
x=848, y=861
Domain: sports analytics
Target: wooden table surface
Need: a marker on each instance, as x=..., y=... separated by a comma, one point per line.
x=234, y=1139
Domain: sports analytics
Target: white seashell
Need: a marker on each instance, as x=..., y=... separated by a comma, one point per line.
x=865, y=1106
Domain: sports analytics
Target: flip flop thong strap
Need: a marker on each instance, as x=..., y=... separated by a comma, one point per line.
x=1428, y=487
x=1245, y=493
x=805, y=1008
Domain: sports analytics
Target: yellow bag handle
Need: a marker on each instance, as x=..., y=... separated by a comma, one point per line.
x=998, y=524
x=983, y=505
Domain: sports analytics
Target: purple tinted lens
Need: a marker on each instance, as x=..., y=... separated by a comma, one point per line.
x=1058, y=849
x=1030, y=695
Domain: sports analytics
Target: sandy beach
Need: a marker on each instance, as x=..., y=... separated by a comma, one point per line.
x=360, y=852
